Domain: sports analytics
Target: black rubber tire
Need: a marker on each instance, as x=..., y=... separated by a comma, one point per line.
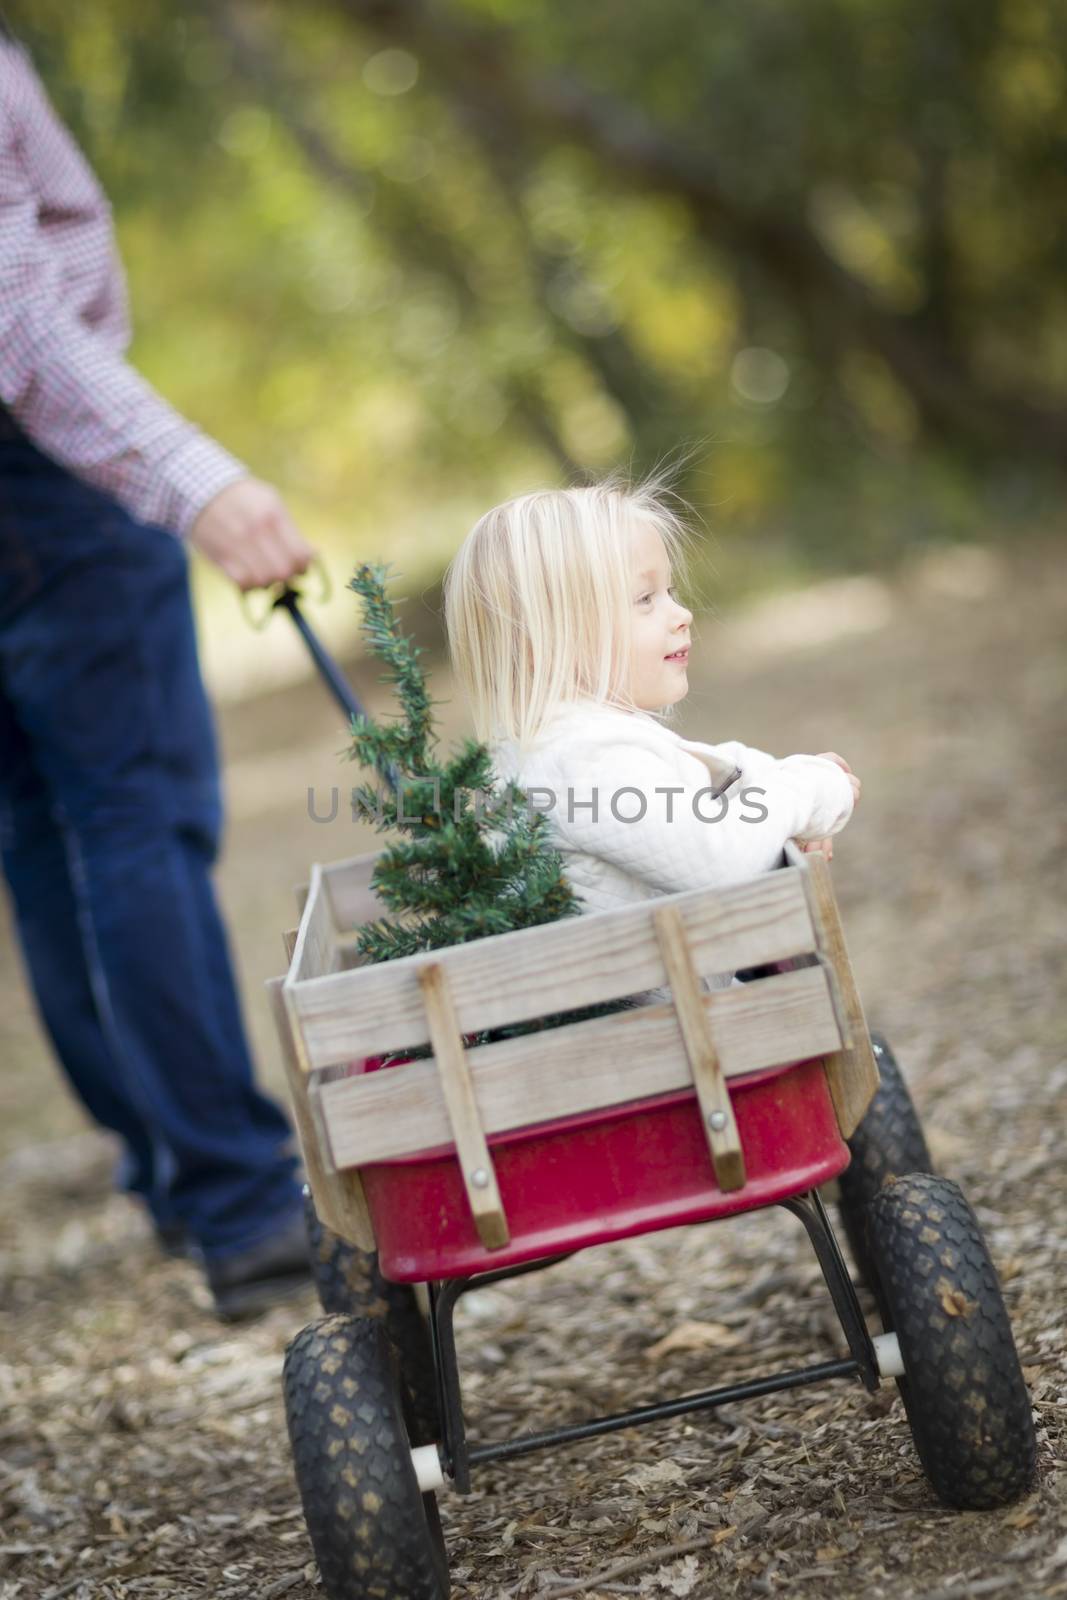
x=888, y=1143
x=963, y=1387
x=348, y=1281
x=372, y=1530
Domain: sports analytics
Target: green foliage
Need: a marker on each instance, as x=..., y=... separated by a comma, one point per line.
x=385, y=283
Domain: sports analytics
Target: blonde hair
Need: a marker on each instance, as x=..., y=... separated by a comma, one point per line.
x=538, y=600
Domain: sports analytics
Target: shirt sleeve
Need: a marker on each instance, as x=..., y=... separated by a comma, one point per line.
x=75, y=397
x=822, y=794
x=629, y=806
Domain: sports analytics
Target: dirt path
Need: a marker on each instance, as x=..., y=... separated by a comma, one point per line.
x=142, y=1448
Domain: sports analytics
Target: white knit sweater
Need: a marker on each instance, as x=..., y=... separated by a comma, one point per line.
x=730, y=813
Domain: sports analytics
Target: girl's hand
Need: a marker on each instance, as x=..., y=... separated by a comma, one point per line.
x=831, y=755
x=825, y=847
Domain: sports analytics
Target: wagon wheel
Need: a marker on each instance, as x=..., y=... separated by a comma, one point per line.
x=963, y=1387
x=372, y=1529
x=348, y=1280
x=887, y=1144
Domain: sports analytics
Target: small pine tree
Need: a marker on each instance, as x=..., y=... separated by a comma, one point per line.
x=474, y=859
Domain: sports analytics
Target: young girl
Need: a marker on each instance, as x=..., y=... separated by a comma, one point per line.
x=566, y=632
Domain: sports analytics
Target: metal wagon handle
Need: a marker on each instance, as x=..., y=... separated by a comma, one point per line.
x=288, y=598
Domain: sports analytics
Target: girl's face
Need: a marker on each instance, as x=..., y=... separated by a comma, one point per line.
x=659, y=635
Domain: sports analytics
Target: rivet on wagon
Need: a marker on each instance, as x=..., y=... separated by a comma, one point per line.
x=480, y=1178
x=717, y=1120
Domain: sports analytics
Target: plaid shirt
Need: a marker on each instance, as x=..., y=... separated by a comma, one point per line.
x=64, y=325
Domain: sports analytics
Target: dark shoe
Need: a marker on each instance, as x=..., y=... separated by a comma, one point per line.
x=254, y=1279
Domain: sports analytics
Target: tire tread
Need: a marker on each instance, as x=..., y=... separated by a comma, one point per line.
x=371, y=1528
x=963, y=1387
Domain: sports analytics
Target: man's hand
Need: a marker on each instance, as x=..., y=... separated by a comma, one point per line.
x=247, y=531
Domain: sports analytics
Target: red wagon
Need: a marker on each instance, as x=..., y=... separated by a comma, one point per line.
x=481, y=1160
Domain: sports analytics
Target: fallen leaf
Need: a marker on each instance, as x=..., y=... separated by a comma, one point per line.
x=695, y=1336
x=677, y=1577
x=653, y=1474
x=954, y=1302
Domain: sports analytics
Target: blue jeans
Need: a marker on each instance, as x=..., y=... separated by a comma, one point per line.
x=110, y=820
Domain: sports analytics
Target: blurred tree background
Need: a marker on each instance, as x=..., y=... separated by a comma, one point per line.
x=408, y=257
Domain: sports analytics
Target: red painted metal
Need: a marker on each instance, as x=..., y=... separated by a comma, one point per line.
x=605, y=1175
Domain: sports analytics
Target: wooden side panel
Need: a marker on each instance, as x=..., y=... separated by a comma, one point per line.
x=851, y=1071
x=354, y=901
x=315, y=953
x=338, y=1196
x=535, y=972
x=468, y=1135
x=717, y=1114
x=600, y=1062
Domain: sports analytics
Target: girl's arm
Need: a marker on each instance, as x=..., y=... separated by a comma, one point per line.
x=819, y=782
x=630, y=807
